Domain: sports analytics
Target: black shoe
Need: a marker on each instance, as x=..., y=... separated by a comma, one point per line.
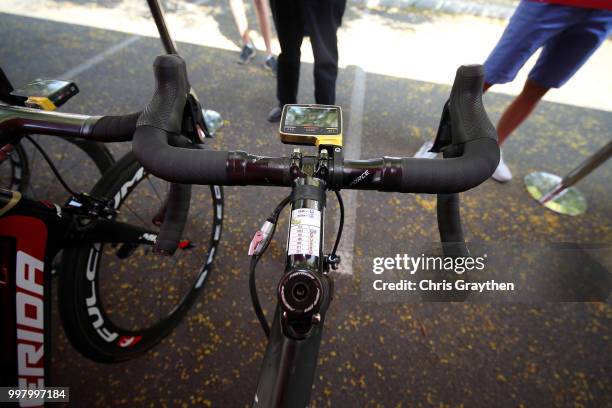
x=271, y=64
x=247, y=54
x=275, y=114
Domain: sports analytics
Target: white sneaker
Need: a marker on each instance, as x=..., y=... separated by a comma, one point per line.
x=424, y=151
x=502, y=173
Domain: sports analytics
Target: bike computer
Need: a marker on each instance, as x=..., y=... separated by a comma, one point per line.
x=311, y=125
x=47, y=94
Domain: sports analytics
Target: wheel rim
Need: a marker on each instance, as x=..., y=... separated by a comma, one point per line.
x=75, y=165
x=145, y=291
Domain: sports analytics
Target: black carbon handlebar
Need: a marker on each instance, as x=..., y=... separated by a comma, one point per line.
x=17, y=120
x=472, y=138
x=156, y=144
x=471, y=131
x=107, y=129
x=153, y=131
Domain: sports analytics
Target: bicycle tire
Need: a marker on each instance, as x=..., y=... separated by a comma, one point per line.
x=97, y=152
x=20, y=169
x=81, y=323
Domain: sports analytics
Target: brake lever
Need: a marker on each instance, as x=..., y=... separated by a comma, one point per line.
x=194, y=124
x=444, y=136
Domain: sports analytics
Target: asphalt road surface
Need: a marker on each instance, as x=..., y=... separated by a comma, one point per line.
x=381, y=353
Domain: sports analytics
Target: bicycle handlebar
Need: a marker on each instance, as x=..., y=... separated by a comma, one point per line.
x=114, y=128
x=156, y=143
x=160, y=123
x=471, y=131
x=16, y=120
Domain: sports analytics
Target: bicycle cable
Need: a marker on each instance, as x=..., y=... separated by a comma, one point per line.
x=51, y=165
x=340, y=225
x=273, y=219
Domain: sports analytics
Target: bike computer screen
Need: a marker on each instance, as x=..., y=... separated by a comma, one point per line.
x=57, y=92
x=312, y=125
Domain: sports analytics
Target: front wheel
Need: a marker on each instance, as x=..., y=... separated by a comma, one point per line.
x=22, y=167
x=119, y=300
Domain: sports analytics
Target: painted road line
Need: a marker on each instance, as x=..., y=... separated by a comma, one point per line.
x=352, y=150
x=95, y=60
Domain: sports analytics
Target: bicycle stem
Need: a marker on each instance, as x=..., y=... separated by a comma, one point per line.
x=304, y=294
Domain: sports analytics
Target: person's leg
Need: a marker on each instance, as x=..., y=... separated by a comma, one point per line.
x=289, y=27
x=248, y=50
x=519, y=109
x=261, y=8
x=531, y=25
x=515, y=114
x=240, y=18
x=324, y=19
x=529, y=28
x=561, y=57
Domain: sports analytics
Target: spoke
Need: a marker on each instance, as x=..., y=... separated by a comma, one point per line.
x=144, y=223
x=35, y=154
x=176, y=269
x=159, y=295
x=181, y=274
x=10, y=167
x=58, y=165
x=155, y=190
x=165, y=285
x=78, y=164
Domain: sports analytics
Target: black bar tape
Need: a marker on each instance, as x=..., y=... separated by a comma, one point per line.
x=449, y=225
x=471, y=130
x=175, y=216
x=448, y=211
x=113, y=128
x=178, y=164
x=176, y=208
x=477, y=163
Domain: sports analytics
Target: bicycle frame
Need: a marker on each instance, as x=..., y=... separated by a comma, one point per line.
x=289, y=365
x=33, y=233
x=290, y=359
x=288, y=369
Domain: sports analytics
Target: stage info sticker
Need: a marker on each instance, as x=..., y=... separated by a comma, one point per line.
x=509, y=272
x=305, y=232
